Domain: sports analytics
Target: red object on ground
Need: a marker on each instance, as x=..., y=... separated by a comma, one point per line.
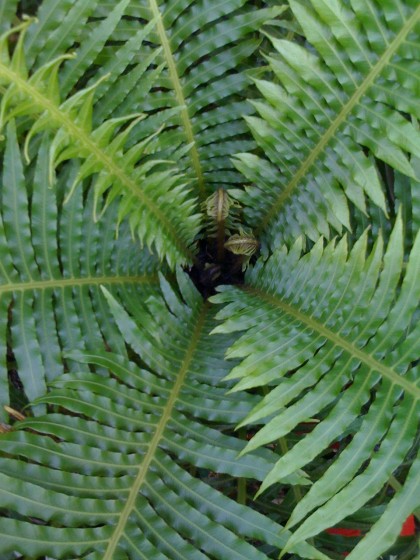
x=409, y=528
x=345, y=532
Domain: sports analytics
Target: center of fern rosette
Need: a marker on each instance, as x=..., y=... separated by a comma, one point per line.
x=226, y=248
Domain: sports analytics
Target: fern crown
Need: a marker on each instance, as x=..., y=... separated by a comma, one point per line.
x=209, y=279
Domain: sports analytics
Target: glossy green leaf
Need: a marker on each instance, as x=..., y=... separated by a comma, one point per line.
x=52, y=288
x=138, y=426
x=328, y=113
x=124, y=127
x=333, y=336
x=134, y=179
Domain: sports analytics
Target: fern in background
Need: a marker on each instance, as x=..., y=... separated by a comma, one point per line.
x=137, y=137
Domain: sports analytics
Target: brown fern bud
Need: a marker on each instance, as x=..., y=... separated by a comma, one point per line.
x=242, y=244
x=218, y=205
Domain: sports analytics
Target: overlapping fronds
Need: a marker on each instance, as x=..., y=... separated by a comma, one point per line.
x=146, y=188
x=119, y=120
x=112, y=480
x=205, y=49
x=328, y=111
x=334, y=337
x=200, y=55
x=53, y=259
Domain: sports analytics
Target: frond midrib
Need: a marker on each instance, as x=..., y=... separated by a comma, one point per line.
x=338, y=340
x=80, y=135
x=74, y=281
x=185, y=118
x=338, y=121
x=160, y=428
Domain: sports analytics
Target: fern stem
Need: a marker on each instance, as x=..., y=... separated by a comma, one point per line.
x=72, y=282
x=147, y=459
x=185, y=118
x=284, y=448
x=359, y=353
x=242, y=492
x=220, y=241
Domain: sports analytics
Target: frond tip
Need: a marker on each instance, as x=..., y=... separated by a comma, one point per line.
x=242, y=244
x=222, y=217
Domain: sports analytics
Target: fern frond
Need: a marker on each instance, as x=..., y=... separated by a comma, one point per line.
x=333, y=336
x=113, y=484
x=146, y=192
x=205, y=51
x=53, y=262
x=328, y=113
x=58, y=26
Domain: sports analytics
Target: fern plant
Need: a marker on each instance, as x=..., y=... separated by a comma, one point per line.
x=209, y=278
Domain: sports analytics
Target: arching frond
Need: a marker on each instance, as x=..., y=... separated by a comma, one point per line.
x=53, y=262
x=205, y=50
x=145, y=190
x=328, y=112
x=111, y=480
x=333, y=336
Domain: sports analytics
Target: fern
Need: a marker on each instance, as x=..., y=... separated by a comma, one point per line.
x=54, y=261
x=154, y=413
x=140, y=137
x=116, y=170
x=325, y=110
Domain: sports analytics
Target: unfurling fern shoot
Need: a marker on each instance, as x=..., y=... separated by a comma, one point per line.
x=243, y=244
x=223, y=213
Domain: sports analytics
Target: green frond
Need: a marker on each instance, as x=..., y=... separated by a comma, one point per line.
x=146, y=187
x=205, y=50
x=327, y=112
x=58, y=26
x=201, y=55
x=7, y=13
x=53, y=262
x=386, y=530
x=112, y=479
x=333, y=337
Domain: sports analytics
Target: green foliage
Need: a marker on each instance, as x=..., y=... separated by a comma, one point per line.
x=117, y=172
x=329, y=113
x=352, y=338
x=133, y=127
x=88, y=468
